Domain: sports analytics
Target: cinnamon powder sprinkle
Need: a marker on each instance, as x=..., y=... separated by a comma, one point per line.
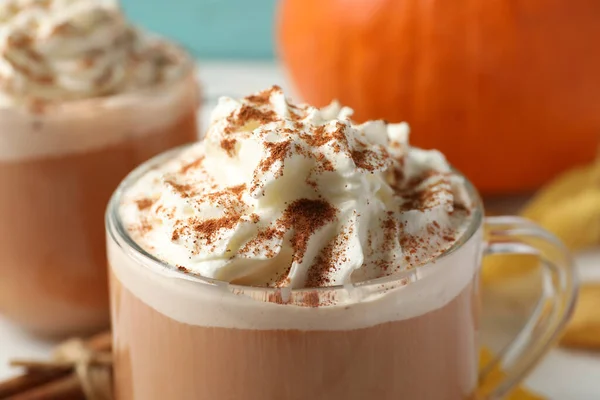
x=275, y=297
x=278, y=151
x=209, y=228
x=312, y=184
x=422, y=200
x=194, y=164
x=448, y=238
x=305, y=217
x=311, y=299
x=259, y=242
x=340, y=137
x=282, y=279
x=184, y=191
x=318, y=138
x=327, y=165
x=238, y=190
x=368, y=159
x=389, y=227
x=228, y=144
x=19, y=41
x=423, y=197
x=263, y=97
x=142, y=228
x=325, y=262
x=248, y=113
x=228, y=197
x=143, y=204
x=360, y=159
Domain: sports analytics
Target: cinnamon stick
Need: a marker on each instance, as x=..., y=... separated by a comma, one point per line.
x=27, y=381
x=66, y=388
x=33, y=366
x=59, y=380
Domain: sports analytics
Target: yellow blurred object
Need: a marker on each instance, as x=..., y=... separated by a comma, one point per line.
x=562, y=188
x=576, y=221
x=501, y=268
x=569, y=207
x=583, y=331
x=495, y=376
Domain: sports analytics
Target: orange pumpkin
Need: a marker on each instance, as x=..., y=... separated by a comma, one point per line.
x=509, y=91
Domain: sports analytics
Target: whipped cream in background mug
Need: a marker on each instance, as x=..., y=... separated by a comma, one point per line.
x=59, y=50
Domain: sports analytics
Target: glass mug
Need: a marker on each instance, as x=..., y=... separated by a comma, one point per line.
x=58, y=169
x=413, y=335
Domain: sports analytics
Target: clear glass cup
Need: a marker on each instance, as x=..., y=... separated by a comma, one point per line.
x=413, y=335
x=58, y=168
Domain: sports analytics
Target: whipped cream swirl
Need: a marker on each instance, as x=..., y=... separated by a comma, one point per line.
x=72, y=49
x=288, y=195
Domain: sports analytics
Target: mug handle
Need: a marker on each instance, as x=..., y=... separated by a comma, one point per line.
x=515, y=235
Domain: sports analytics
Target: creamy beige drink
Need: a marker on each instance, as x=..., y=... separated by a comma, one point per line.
x=294, y=254
x=84, y=98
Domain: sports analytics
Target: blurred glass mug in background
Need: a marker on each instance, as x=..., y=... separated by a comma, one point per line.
x=411, y=334
x=83, y=101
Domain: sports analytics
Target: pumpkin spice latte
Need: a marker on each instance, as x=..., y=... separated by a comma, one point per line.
x=84, y=98
x=294, y=254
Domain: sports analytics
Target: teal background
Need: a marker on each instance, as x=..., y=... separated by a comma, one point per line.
x=223, y=29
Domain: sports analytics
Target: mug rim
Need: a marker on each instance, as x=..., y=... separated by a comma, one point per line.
x=121, y=237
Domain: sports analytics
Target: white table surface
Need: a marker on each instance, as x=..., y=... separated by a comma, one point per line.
x=562, y=375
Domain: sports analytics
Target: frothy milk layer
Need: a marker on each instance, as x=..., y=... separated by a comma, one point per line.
x=286, y=195
x=174, y=295
x=92, y=124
